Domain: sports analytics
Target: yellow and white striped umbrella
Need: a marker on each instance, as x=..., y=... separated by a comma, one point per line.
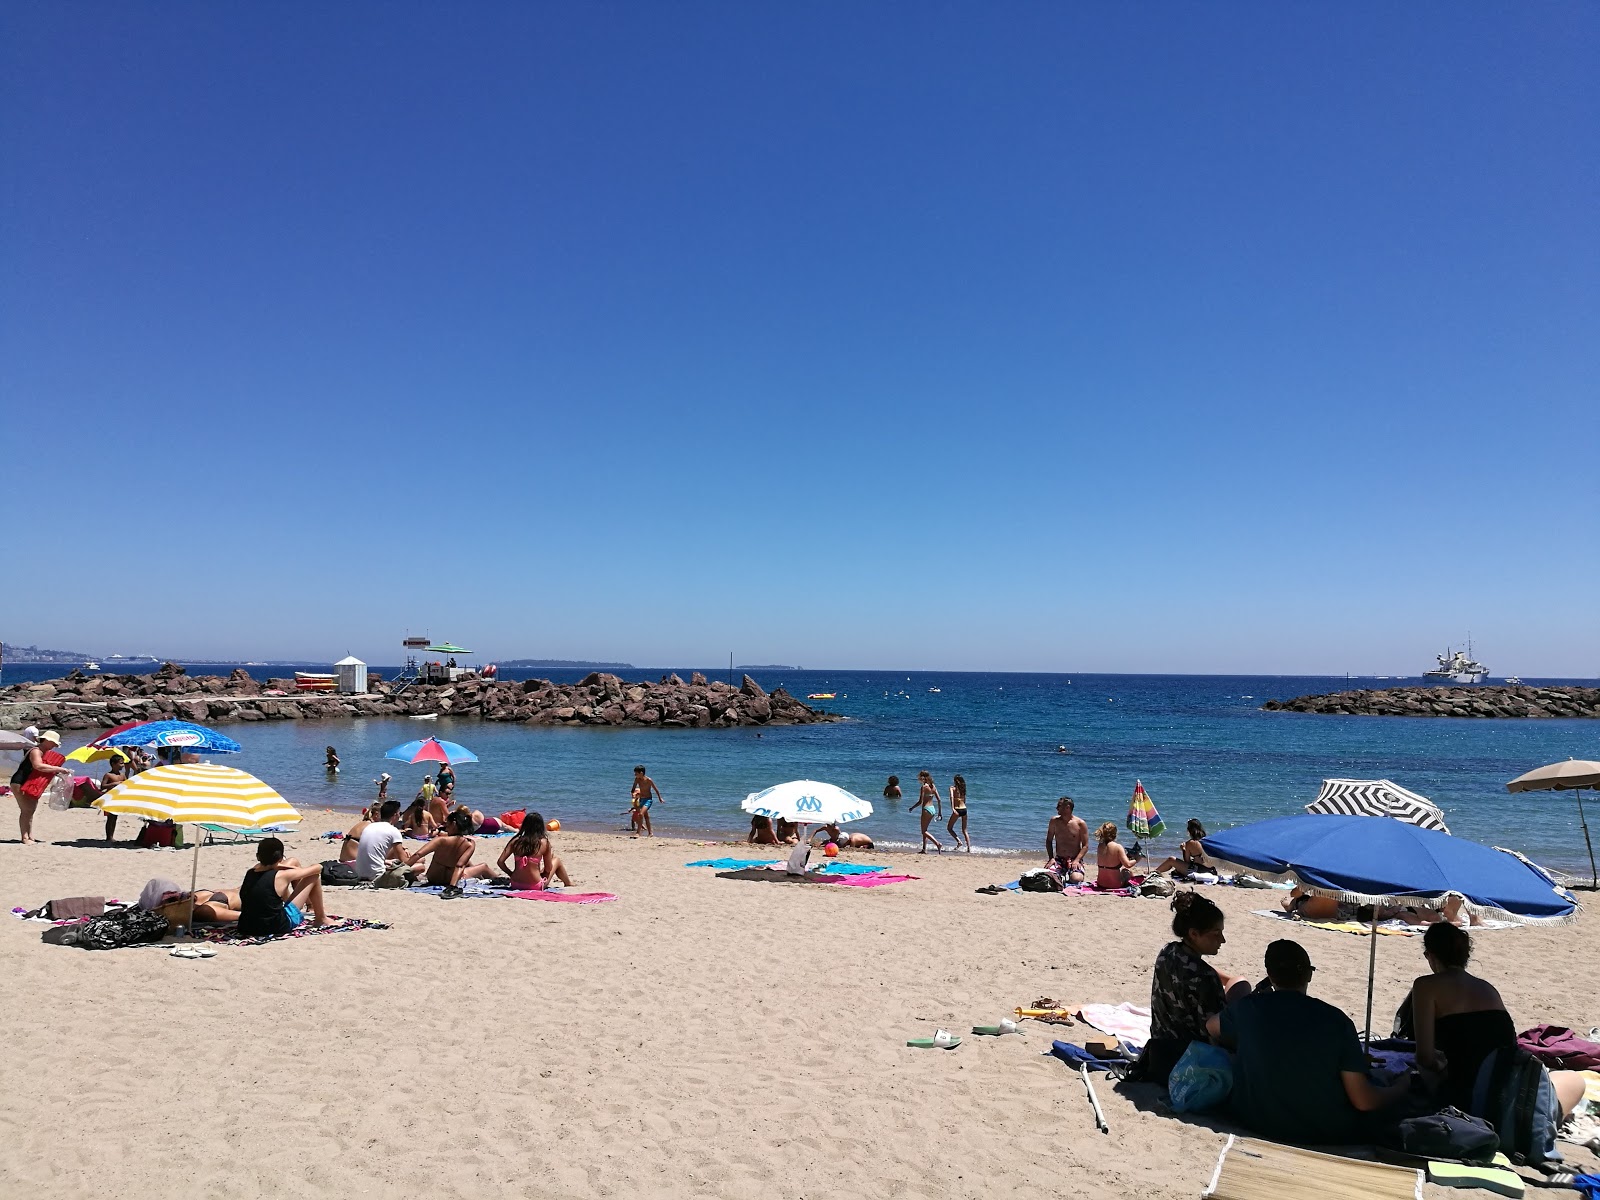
x=194, y=793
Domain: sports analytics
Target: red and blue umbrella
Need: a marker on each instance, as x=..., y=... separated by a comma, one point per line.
x=432, y=750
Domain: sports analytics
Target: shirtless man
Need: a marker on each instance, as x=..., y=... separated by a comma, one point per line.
x=452, y=856
x=1066, y=840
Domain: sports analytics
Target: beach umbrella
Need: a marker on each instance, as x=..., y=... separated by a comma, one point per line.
x=15, y=741
x=1143, y=819
x=94, y=753
x=174, y=735
x=1571, y=776
x=199, y=793
x=1376, y=798
x=1378, y=861
x=807, y=802
x=447, y=648
x=432, y=750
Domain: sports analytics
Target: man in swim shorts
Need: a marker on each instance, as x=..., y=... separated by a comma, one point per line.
x=1066, y=840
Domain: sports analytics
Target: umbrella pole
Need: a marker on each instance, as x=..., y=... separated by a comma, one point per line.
x=1372, y=968
x=1594, y=882
x=194, y=875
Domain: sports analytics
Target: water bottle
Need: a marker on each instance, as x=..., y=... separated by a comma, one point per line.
x=180, y=932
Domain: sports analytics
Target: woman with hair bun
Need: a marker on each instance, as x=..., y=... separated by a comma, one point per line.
x=1186, y=990
x=1115, y=867
x=1461, y=1020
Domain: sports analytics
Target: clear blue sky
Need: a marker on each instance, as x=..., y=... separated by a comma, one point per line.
x=1159, y=336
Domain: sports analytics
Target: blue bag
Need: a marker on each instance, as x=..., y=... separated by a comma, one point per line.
x=1202, y=1079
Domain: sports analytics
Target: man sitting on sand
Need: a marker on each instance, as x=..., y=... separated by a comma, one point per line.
x=1066, y=840
x=273, y=890
x=1299, y=1075
x=845, y=841
x=380, y=843
x=452, y=856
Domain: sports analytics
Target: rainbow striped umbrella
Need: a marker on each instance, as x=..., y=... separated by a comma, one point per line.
x=199, y=793
x=1143, y=819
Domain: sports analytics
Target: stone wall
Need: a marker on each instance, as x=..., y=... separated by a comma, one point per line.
x=1475, y=701
x=102, y=701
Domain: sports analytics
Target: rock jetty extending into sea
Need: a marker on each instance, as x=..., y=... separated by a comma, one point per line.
x=1477, y=701
x=101, y=701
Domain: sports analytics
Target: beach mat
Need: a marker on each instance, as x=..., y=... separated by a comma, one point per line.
x=225, y=935
x=1252, y=1170
x=564, y=897
x=735, y=864
x=834, y=867
x=475, y=888
x=1391, y=928
x=761, y=875
x=873, y=880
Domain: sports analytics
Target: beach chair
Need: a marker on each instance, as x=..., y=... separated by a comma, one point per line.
x=226, y=835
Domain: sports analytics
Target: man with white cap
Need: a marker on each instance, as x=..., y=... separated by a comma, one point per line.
x=41, y=762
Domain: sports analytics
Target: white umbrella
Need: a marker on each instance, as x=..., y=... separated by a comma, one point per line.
x=1573, y=775
x=1376, y=798
x=806, y=802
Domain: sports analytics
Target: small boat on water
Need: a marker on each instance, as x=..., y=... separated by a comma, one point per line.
x=823, y=696
x=313, y=681
x=424, y=716
x=933, y=689
x=91, y=665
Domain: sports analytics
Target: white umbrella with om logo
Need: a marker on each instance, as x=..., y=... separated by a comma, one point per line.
x=806, y=802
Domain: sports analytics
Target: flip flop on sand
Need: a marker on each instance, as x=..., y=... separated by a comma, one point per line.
x=193, y=952
x=942, y=1040
x=1007, y=1025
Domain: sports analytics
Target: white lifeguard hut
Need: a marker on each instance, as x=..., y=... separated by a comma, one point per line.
x=352, y=674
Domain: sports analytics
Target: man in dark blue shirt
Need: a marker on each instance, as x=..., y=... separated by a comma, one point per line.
x=1299, y=1074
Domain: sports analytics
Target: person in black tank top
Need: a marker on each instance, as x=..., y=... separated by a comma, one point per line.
x=272, y=891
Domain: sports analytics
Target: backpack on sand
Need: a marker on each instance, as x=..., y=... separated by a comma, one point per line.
x=129, y=927
x=1450, y=1133
x=1513, y=1093
x=1040, y=879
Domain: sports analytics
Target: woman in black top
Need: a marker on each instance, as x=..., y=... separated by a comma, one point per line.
x=272, y=890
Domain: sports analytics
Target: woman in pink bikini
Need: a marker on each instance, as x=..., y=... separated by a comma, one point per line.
x=533, y=858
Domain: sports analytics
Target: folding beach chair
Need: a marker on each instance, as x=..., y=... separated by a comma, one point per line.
x=226, y=835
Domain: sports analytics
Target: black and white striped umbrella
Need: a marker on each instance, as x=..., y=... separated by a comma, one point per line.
x=1376, y=798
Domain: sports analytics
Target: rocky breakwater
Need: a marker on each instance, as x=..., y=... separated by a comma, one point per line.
x=102, y=701
x=1477, y=701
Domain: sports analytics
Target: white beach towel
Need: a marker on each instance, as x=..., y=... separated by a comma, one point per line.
x=1128, y=1022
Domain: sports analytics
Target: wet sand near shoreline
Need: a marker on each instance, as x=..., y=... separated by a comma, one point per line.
x=699, y=1036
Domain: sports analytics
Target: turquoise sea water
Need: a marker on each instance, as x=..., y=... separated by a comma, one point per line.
x=1200, y=744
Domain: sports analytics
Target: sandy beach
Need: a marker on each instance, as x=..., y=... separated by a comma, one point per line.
x=697, y=1037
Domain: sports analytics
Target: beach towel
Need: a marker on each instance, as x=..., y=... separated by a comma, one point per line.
x=1076, y=1056
x=1252, y=1170
x=1089, y=889
x=873, y=880
x=735, y=864
x=471, y=887
x=228, y=934
x=834, y=867
x=1128, y=1022
x=777, y=874
x=1392, y=928
x=564, y=897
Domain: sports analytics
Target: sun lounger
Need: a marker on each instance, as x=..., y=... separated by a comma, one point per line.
x=226, y=835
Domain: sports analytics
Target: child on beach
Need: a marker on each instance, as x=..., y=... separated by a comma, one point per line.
x=645, y=793
x=533, y=859
x=931, y=805
x=958, y=812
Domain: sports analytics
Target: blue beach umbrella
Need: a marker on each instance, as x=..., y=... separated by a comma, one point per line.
x=175, y=735
x=1379, y=861
x=432, y=750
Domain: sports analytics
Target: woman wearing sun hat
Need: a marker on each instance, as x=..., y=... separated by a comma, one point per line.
x=39, y=765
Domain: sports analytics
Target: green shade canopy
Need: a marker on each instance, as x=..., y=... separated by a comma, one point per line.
x=447, y=648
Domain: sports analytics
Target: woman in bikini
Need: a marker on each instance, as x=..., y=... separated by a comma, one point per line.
x=1191, y=855
x=958, y=812
x=418, y=821
x=932, y=805
x=1115, y=867
x=533, y=859
x=352, y=839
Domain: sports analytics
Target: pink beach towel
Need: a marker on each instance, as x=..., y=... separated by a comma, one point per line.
x=872, y=880
x=565, y=897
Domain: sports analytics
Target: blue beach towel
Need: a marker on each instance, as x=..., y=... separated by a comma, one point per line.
x=843, y=868
x=734, y=864
x=1074, y=1055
